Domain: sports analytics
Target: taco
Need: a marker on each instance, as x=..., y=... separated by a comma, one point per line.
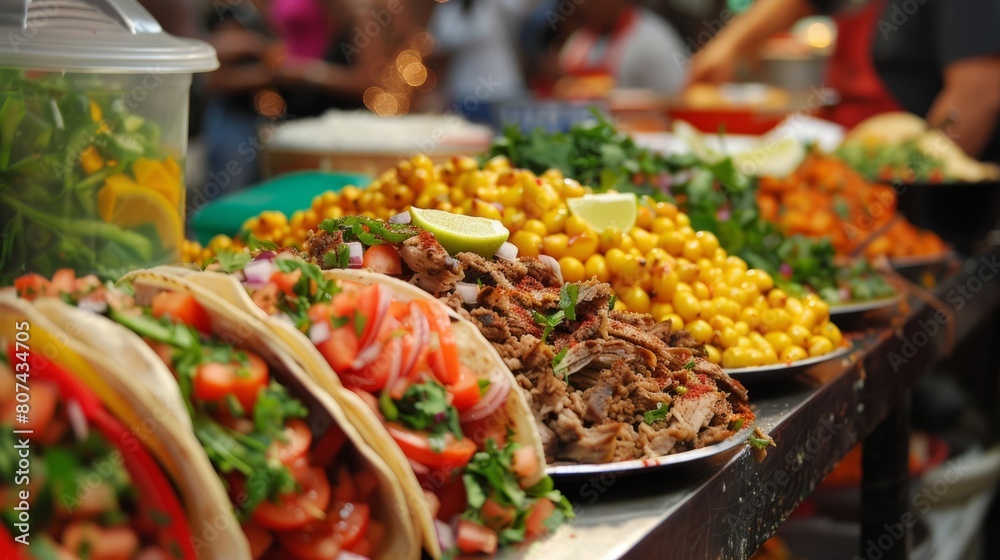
x=301, y=479
x=96, y=468
x=427, y=389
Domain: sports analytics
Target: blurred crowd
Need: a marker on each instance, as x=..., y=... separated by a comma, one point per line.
x=285, y=59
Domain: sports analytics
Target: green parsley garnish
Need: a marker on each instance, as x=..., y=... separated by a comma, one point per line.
x=231, y=261
x=255, y=244
x=611, y=303
x=359, y=323
x=425, y=407
x=338, y=258
x=736, y=425
x=689, y=365
x=550, y=322
x=557, y=367
x=567, y=300
x=657, y=414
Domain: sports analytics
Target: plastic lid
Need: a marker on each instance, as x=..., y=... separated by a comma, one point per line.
x=107, y=36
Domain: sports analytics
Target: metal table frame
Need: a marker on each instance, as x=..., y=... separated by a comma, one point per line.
x=729, y=510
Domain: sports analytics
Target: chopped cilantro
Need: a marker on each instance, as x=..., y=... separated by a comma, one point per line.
x=550, y=322
x=311, y=284
x=490, y=475
x=337, y=322
x=690, y=365
x=425, y=406
x=567, y=300
x=274, y=406
x=388, y=407
x=611, y=303
x=359, y=323
x=736, y=425
x=657, y=414
x=231, y=261
x=256, y=244
x=557, y=365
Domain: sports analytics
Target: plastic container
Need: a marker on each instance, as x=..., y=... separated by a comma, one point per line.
x=93, y=137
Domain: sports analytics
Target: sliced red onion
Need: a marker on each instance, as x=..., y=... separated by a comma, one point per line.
x=495, y=396
x=723, y=214
x=395, y=368
x=418, y=469
x=845, y=294
x=258, y=272
x=401, y=218
x=348, y=555
x=554, y=265
x=507, y=251
x=421, y=338
x=786, y=270
x=265, y=256
x=497, y=205
x=77, y=419
x=319, y=332
x=469, y=292
x=384, y=300
x=356, y=255
x=367, y=356
x=445, y=534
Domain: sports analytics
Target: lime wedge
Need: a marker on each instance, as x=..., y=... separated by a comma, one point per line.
x=607, y=210
x=771, y=159
x=459, y=234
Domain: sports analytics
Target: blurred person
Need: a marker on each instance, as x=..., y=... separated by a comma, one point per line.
x=939, y=59
x=281, y=59
x=477, y=39
x=626, y=42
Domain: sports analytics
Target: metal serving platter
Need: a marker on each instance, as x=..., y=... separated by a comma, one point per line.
x=849, y=309
x=705, y=456
x=775, y=372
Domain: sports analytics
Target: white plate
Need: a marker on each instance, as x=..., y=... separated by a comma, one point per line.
x=692, y=458
x=864, y=306
x=775, y=372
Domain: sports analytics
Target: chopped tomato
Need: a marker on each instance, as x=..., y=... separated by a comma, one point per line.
x=260, y=539
x=182, y=308
x=400, y=310
x=492, y=427
x=367, y=304
x=374, y=534
x=534, y=524
x=328, y=445
x=473, y=538
x=344, y=489
x=31, y=286
x=213, y=381
x=44, y=398
x=285, y=281
x=448, y=372
x=417, y=446
x=344, y=526
x=298, y=438
x=383, y=259
x=296, y=509
x=63, y=282
x=496, y=516
x=344, y=303
x=374, y=376
x=452, y=498
x=250, y=379
x=465, y=392
x=341, y=349
x=525, y=462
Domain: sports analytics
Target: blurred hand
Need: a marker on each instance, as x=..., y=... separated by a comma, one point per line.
x=714, y=63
